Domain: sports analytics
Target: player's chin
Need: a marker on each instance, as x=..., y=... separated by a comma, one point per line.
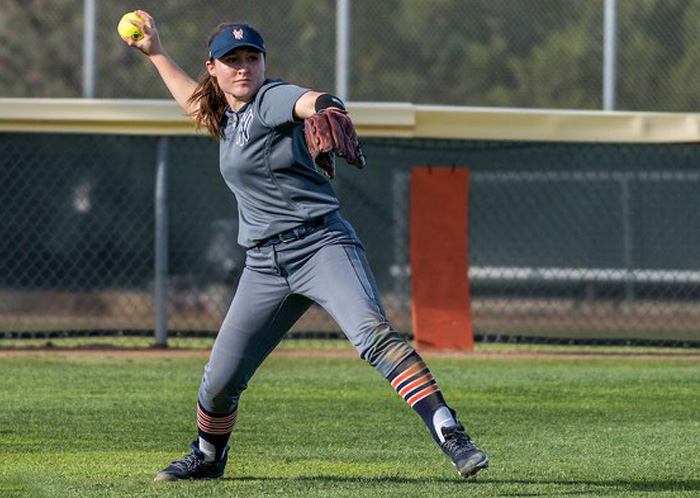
x=244, y=91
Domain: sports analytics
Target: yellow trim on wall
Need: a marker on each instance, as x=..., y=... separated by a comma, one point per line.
x=164, y=117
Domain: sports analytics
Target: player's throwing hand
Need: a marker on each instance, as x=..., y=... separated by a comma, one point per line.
x=150, y=43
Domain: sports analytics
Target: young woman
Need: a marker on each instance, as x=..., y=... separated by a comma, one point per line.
x=299, y=249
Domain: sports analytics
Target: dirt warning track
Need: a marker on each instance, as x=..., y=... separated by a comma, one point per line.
x=329, y=353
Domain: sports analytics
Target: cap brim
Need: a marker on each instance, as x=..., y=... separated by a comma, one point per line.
x=218, y=54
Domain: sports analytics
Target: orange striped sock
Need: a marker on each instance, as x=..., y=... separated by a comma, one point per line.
x=214, y=431
x=414, y=382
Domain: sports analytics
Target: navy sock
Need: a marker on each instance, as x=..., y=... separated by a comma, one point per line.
x=214, y=431
x=413, y=381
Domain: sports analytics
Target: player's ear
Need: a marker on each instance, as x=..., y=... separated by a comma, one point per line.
x=211, y=68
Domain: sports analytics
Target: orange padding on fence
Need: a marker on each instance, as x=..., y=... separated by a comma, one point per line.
x=439, y=258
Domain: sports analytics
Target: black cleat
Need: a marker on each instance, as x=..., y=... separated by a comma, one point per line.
x=194, y=466
x=464, y=454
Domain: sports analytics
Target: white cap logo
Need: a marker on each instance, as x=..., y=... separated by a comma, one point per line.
x=238, y=34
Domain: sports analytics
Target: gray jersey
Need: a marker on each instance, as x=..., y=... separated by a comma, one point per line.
x=265, y=162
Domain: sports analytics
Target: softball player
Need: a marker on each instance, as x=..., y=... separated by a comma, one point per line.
x=299, y=249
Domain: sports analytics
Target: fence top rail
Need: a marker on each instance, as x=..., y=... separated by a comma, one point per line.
x=164, y=117
x=637, y=275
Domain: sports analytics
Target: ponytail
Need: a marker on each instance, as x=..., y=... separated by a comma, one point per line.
x=208, y=99
x=210, y=105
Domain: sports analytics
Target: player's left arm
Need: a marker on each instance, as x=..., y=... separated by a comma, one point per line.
x=311, y=102
x=328, y=131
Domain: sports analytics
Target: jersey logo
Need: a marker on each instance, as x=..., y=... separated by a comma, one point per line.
x=243, y=132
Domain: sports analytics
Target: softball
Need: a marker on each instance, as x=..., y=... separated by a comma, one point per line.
x=127, y=30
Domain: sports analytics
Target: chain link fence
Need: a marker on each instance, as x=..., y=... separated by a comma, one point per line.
x=514, y=53
x=568, y=242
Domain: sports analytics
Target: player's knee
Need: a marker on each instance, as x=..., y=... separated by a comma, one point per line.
x=220, y=395
x=383, y=348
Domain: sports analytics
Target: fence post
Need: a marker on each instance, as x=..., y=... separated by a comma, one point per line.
x=401, y=269
x=89, y=41
x=342, y=49
x=161, y=243
x=609, y=54
x=627, y=237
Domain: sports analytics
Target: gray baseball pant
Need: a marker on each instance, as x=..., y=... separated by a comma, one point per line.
x=279, y=283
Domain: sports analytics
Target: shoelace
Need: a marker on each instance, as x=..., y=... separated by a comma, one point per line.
x=458, y=440
x=190, y=462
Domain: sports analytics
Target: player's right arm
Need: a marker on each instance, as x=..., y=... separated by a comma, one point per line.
x=179, y=83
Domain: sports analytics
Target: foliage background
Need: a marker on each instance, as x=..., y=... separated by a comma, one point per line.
x=521, y=53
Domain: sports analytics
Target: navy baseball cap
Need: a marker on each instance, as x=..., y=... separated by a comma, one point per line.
x=234, y=36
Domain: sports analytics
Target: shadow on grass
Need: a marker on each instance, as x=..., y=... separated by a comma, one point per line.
x=614, y=484
x=620, y=484
x=363, y=480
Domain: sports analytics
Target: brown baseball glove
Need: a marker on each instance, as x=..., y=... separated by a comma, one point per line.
x=330, y=133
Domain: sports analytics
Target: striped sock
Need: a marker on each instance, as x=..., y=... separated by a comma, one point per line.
x=214, y=431
x=414, y=383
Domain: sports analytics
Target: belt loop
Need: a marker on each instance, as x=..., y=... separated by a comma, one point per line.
x=275, y=263
x=297, y=232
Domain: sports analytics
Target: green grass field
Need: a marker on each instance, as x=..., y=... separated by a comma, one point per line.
x=95, y=425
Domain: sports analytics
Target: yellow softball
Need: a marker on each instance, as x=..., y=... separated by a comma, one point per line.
x=127, y=30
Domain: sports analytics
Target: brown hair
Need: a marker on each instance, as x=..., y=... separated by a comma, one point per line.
x=208, y=99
